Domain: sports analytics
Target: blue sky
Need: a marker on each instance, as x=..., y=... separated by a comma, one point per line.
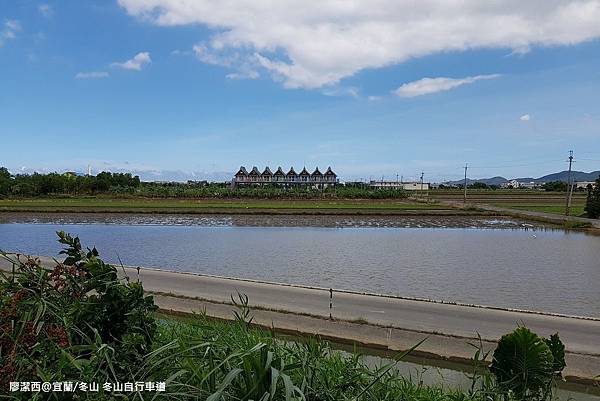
x=194, y=89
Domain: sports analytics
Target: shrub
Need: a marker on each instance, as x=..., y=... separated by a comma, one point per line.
x=592, y=205
x=76, y=321
x=557, y=186
x=526, y=365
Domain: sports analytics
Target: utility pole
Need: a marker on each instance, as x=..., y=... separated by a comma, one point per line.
x=422, y=173
x=465, y=184
x=569, y=186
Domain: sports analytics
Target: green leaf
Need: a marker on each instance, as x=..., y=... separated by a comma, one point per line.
x=558, y=353
x=522, y=363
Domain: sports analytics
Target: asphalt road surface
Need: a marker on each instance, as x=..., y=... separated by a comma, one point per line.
x=579, y=335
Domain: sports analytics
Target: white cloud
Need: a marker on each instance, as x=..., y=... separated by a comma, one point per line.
x=373, y=98
x=427, y=86
x=525, y=117
x=46, y=10
x=245, y=66
x=178, y=52
x=313, y=44
x=136, y=63
x=9, y=30
x=92, y=75
x=249, y=74
x=341, y=91
x=13, y=25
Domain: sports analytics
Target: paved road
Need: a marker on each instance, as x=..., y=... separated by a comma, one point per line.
x=579, y=335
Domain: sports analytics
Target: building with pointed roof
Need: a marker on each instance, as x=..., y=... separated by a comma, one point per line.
x=267, y=175
x=279, y=175
x=329, y=175
x=291, y=175
x=304, y=175
x=291, y=178
x=254, y=175
x=316, y=176
x=241, y=175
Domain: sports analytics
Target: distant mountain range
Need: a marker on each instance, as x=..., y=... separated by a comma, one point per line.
x=561, y=176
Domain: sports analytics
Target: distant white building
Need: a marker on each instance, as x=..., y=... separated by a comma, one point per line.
x=583, y=184
x=407, y=186
x=511, y=184
x=529, y=185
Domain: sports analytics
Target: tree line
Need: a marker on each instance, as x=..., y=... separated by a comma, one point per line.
x=124, y=184
x=36, y=184
x=551, y=186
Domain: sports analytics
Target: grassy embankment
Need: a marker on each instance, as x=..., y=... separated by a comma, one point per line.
x=101, y=204
x=537, y=201
x=292, y=370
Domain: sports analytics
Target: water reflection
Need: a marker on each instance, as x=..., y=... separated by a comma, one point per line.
x=498, y=262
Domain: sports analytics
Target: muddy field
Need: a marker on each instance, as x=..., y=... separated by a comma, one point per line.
x=216, y=220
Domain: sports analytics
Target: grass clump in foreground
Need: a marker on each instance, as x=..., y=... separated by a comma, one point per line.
x=79, y=322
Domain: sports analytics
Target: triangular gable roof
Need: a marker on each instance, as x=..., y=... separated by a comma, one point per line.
x=279, y=171
x=317, y=172
x=254, y=171
x=304, y=172
x=242, y=171
x=267, y=171
x=291, y=172
x=329, y=171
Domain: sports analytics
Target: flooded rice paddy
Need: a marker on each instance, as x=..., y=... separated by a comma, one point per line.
x=487, y=261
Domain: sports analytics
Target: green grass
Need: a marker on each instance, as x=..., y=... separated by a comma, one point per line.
x=576, y=210
x=530, y=200
x=576, y=224
x=231, y=361
x=501, y=192
x=190, y=204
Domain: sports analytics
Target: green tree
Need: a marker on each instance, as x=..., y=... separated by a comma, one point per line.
x=5, y=181
x=479, y=185
x=592, y=205
x=555, y=186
